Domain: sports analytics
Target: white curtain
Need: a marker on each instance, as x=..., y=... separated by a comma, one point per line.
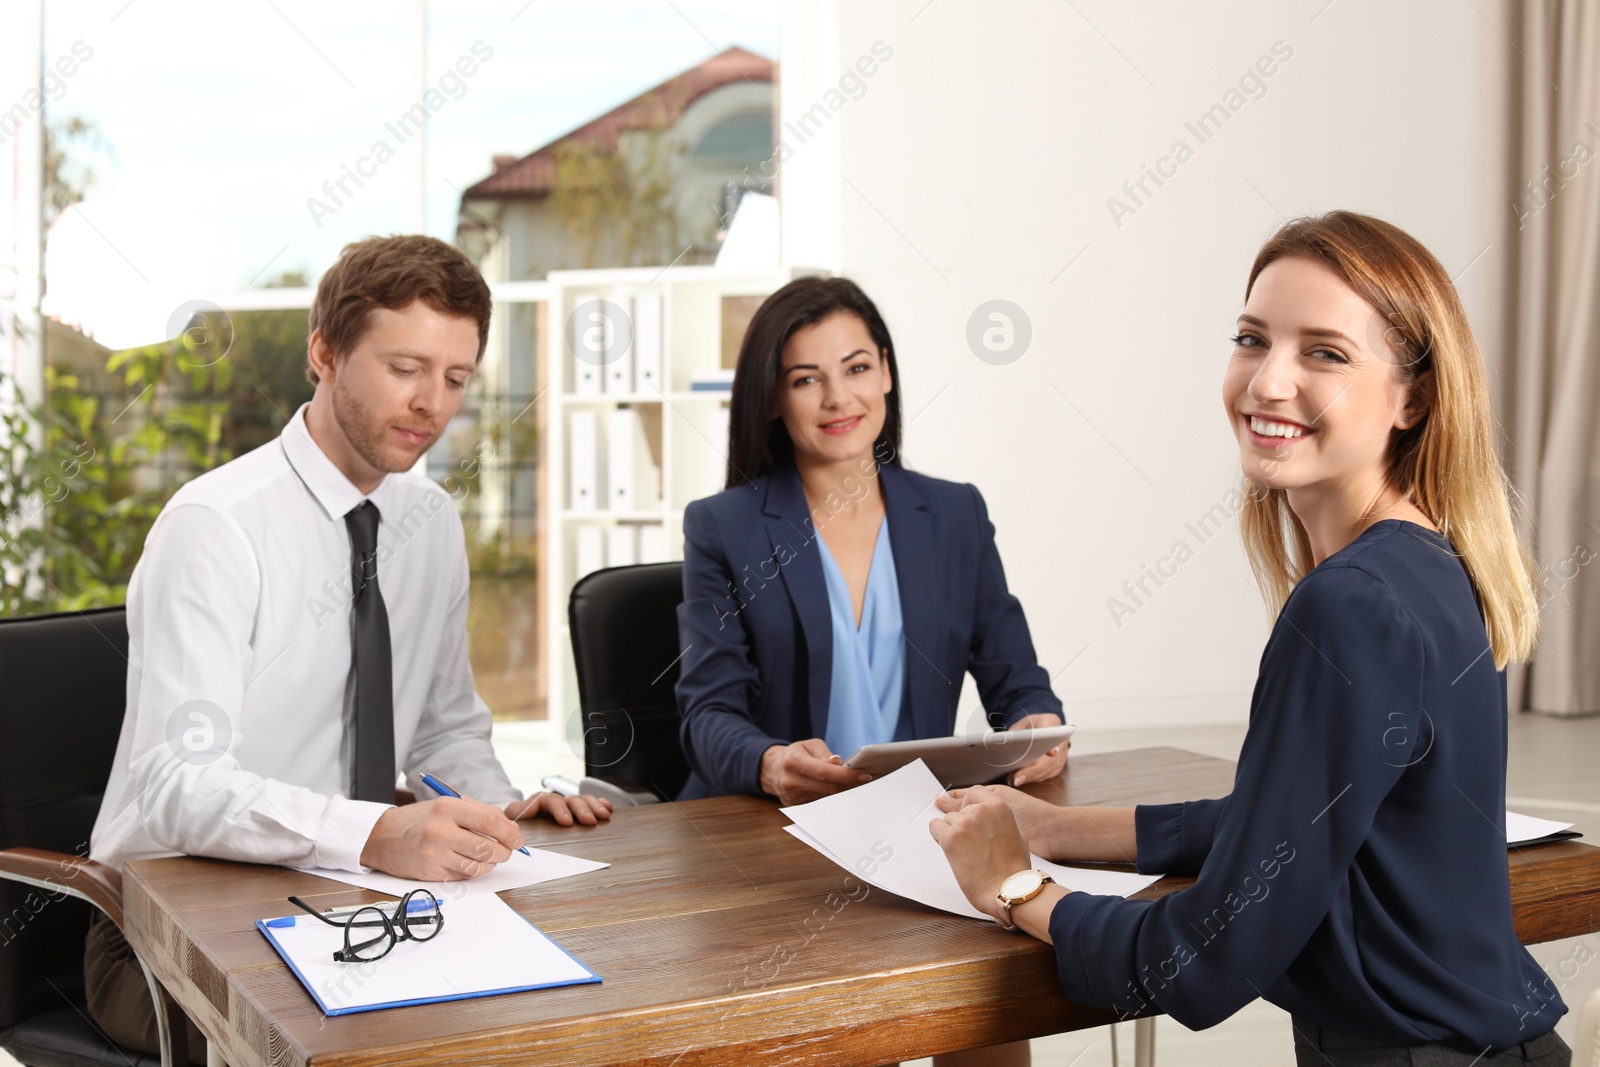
x=1550, y=381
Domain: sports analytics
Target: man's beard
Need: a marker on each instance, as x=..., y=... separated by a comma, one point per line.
x=366, y=434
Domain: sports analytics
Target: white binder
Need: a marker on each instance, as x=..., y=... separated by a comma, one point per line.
x=591, y=553
x=652, y=543
x=647, y=344
x=587, y=341
x=583, y=461
x=622, y=460
x=622, y=341
x=717, y=429
x=622, y=545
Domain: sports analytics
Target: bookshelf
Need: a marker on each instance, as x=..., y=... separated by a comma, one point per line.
x=629, y=441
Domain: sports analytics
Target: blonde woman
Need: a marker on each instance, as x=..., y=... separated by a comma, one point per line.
x=1356, y=876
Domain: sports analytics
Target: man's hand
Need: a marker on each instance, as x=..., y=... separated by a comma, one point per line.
x=584, y=808
x=1048, y=765
x=444, y=840
x=981, y=840
x=806, y=770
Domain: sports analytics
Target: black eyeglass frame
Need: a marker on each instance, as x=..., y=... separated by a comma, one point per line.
x=409, y=925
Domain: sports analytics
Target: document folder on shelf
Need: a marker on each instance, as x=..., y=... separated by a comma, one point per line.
x=483, y=949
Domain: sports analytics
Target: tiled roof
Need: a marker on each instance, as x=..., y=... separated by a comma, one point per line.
x=533, y=175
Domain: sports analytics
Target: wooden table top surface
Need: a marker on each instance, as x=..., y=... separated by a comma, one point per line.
x=720, y=940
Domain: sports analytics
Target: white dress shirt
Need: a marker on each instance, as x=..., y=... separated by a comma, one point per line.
x=237, y=742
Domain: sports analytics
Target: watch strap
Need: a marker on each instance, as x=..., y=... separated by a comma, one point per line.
x=1005, y=920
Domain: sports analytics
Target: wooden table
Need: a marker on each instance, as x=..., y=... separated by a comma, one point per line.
x=720, y=939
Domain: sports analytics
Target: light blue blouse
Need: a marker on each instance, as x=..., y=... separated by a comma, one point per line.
x=869, y=663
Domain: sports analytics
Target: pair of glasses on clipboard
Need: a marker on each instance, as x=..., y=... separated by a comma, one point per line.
x=417, y=917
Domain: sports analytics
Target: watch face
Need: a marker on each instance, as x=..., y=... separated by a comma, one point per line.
x=1021, y=884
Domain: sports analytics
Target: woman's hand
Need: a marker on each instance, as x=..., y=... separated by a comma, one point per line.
x=1048, y=765
x=981, y=840
x=1039, y=821
x=1099, y=835
x=584, y=808
x=806, y=770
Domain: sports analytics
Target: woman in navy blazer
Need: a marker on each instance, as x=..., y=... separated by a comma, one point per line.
x=815, y=487
x=1356, y=875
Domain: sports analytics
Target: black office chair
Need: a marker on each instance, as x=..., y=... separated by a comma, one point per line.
x=61, y=710
x=625, y=643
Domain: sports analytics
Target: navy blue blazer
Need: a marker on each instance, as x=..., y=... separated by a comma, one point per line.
x=758, y=638
x=1356, y=873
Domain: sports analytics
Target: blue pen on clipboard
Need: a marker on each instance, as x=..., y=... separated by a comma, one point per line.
x=349, y=910
x=445, y=791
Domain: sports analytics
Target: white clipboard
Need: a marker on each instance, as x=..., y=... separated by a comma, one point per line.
x=485, y=948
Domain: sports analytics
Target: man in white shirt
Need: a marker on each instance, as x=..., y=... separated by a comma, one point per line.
x=297, y=628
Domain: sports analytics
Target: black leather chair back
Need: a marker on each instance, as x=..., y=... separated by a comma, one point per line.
x=625, y=643
x=63, y=688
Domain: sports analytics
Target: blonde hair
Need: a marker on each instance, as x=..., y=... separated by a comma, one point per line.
x=1447, y=464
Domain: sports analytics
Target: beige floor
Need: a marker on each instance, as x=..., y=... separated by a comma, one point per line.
x=1551, y=774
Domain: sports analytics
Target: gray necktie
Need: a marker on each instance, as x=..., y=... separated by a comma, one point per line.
x=369, y=648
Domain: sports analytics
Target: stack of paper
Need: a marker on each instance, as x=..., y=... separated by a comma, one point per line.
x=716, y=380
x=1525, y=830
x=539, y=865
x=879, y=833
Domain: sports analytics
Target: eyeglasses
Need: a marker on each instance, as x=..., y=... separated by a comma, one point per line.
x=417, y=917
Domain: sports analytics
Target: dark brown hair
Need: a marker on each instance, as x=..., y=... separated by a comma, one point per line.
x=757, y=442
x=392, y=272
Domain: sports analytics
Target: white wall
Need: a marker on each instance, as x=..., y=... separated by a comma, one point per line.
x=809, y=187
x=977, y=163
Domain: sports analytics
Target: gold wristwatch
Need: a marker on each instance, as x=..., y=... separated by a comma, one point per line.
x=1019, y=889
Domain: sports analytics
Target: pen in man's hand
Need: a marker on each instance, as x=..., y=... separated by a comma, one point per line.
x=443, y=790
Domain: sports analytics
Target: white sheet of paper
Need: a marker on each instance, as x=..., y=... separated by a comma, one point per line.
x=516, y=872
x=484, y=947
x=879, y=833
x=1520, y=828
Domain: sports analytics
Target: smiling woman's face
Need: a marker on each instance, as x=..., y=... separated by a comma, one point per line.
x=831, y=388
x=1312, y=391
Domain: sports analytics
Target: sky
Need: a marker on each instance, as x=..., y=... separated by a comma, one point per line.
x=220, y=121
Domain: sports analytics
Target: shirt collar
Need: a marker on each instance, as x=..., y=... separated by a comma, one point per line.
x=333, y=491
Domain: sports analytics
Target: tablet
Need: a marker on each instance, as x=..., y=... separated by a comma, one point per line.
x=971, y=759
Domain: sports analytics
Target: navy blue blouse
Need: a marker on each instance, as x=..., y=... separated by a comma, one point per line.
x=1357, y=873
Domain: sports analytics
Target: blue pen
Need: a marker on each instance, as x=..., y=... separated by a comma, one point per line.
x=346, y=912
x=445, y=791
